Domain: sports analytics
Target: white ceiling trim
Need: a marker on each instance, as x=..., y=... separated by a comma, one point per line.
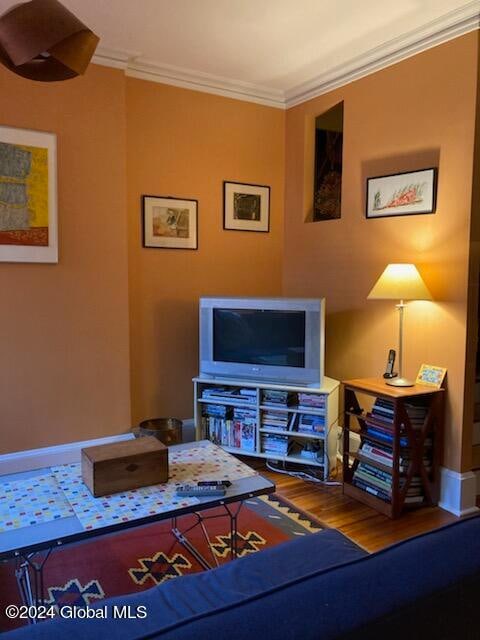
x=452, y=25
x=209, y=83
x=447, y=27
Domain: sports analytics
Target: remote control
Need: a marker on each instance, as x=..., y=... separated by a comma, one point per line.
x=189, y=490
x=214, y=483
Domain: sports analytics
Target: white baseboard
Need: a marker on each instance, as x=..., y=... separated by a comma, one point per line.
x=50, y=456
x=458, y=492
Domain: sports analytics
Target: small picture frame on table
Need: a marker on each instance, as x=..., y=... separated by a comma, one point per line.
x=169, y=223
x=431, y=376
x=246, y=207
x=402, y=194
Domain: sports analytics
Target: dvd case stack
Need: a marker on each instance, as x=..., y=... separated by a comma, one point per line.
x=274, y=444
x=275, y=419
x=217, y=422
x=311, y=401
x=311, y=424
x=245, y=428
x=230, y=427
x=277, y=398
x=235, y=394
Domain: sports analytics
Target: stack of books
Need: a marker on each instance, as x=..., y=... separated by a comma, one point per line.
x=311, y=401
x=379, y=422
x=377, y=453
x=277, y=398
x=417, y=412
x=230, y=393
x=311, y=424
x=384, y=455
x=275, y=419
x=274, y=444
x=374, y=481
x=415, y=491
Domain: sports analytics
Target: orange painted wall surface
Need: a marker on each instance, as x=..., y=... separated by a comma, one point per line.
x=185, y=143
x=64, y=366
x=415, y=114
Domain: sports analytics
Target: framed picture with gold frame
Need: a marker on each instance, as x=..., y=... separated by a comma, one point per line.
x=431, y=376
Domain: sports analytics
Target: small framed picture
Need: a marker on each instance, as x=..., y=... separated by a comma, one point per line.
x=246, y=207
x=431, y=376
x=402, y=194
x=169, y=223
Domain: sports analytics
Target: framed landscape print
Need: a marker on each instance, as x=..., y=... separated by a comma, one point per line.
x=402, y=194
x=28, y=196
x=169, y=223
x=246, y=207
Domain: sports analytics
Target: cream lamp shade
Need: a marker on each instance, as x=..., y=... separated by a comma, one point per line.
x=400, y=282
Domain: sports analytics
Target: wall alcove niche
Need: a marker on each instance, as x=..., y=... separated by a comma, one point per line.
x=327, y=180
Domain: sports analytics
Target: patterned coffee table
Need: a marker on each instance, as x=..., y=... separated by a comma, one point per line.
x=43, y=509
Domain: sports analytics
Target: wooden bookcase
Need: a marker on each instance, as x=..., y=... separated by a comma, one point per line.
x=420, y=443
x=329, y=391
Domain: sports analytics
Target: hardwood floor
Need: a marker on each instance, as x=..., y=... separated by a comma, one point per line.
x=360, y=523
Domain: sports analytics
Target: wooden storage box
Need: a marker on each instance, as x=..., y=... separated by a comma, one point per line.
x=122, y=466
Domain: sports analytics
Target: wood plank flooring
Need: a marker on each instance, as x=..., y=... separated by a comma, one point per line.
x=360, y=523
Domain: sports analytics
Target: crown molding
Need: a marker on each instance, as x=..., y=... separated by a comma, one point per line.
x=145, y=69
x=449, y=26
x=116, y=58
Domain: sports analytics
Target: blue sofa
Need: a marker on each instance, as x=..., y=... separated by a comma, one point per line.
x=318, y=587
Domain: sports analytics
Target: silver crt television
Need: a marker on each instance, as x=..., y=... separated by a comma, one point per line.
x=277, y=340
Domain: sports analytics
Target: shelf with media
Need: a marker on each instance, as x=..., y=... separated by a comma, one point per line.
x=396, y=466
x=282, y=423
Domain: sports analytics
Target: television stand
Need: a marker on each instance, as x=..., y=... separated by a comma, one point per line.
x=283, y=423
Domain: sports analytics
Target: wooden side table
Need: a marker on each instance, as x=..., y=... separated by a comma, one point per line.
x=412, y=445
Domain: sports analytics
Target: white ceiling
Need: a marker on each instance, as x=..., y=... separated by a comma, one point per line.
x=275, y=50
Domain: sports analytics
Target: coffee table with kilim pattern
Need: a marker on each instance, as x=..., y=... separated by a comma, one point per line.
x=47, y=508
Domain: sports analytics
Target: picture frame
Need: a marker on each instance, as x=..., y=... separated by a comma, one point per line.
x=246, y=207
x=431, y=376
x=402, y=194
x=28, y=196
x=169, y=222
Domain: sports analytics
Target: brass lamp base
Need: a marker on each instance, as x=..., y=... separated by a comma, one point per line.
x=400, y=382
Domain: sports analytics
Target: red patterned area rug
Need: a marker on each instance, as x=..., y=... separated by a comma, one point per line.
x=141, y=558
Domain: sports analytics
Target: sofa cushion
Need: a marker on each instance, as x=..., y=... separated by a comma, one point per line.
x=425, y=587
x=177, y=601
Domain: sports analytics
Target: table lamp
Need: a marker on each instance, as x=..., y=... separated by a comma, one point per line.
x=400, y=282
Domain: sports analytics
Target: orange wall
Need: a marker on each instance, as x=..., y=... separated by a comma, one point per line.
x=64, y=366
x=415, y=114
x=184, y=143
x=110, y=333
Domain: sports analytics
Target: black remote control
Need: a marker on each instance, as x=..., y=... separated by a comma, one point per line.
x=190, y=490
x=214, y=483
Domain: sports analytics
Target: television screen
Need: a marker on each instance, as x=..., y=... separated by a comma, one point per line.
x=260, y=337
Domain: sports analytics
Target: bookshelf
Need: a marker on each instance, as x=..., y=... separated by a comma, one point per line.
x=397, y=464
x=269, y=420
